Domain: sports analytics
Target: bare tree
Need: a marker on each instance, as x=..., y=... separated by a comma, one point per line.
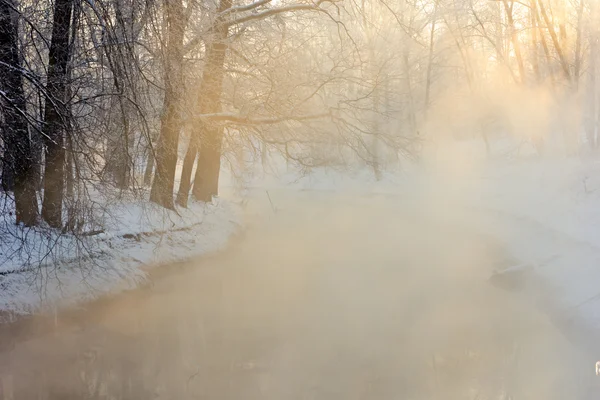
x=18, y=163
x=56, y=113
x=168, y=141
x=207, y=170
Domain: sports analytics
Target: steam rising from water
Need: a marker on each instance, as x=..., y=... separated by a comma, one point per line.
x=335, y=296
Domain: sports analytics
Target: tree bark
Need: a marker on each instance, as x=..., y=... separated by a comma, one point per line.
x=186, y=173
x=149, y=170
x=168, y=140
x=122, y=62
x=19, y=163
x=8, y=38
x=55, y=113
x=206, y=180
x=208, y=168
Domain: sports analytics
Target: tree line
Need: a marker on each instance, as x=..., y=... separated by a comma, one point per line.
x=119, y=96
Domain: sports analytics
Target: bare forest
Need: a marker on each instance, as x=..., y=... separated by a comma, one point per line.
x=145, y=98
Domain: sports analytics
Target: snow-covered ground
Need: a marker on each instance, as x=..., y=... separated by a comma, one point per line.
x=544, y=210
x=128, y=238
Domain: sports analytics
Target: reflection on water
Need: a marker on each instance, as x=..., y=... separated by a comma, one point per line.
x=311, y=305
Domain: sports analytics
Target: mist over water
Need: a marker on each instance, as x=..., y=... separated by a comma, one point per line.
x=395, y=288
x=332, y=297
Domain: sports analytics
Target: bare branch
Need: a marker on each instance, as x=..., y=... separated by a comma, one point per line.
x=274, y=11
x=244, y=120
x=247, y=7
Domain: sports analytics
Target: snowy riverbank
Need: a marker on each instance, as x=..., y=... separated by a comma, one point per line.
x=545, y=212
x=40, y=270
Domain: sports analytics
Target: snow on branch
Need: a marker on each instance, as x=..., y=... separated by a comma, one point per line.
x=245, y=120
x=247, y=7
x=221, y=19
x=314, y=6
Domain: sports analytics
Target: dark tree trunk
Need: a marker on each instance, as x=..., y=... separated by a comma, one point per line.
x=124, y=29
x=8, y=164
x=186, y=173
x=206, y=180
x=70, y=183
x=166, y=156
x=56, y=113
x=121, y=60
x=37, y=151
x=19, y=163
x=168, y=141
x=119, y=159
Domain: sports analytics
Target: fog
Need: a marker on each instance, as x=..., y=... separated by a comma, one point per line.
x=393, y=286
x=334, y=296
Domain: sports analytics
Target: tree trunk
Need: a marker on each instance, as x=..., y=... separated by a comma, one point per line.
x=121, y=58
x=559, y=50
x=168, y=140
x=514, y=38
x=150, y=152
x=149, y=168
x=429, y=62
x=70, y=184
x=534, y=44
x=186, y=173
x=547, y=55
x=19, y=162
x=166, y=154
x=578, y=55
x=122, y=172
x=55, y=112
x=206, y=180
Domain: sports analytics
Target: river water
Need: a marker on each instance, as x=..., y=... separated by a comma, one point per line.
x=323, y=297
